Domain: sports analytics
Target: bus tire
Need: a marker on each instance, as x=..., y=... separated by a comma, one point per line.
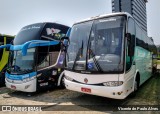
x=2, y=83
x=2, y=78
x=136, y=86
x=62, y=84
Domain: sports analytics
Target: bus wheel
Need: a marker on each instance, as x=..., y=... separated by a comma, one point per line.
x=62, y=84
x=2, y=79
x=136, y=87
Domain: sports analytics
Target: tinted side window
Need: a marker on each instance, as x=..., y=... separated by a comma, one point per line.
x=47, y=56
x=138, y=36
x=53, y=31
x=42, y=57
x=142, y=39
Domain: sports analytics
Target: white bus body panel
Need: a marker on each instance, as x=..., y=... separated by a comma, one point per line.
x=29, y=86
x=111, y=92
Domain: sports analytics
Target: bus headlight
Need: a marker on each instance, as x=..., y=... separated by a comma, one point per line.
x=28, y=79
x=68, y=78
x=113, y=83
x=25, y=80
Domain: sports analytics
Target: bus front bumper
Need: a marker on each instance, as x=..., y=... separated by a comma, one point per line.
x=109, y=92
x=29, y=86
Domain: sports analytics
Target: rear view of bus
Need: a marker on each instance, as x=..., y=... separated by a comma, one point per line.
x=4, y=54
x=108, y=55
x=36, y=58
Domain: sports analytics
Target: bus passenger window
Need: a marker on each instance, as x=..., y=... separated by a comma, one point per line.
x=43, y=57
x=43, y=60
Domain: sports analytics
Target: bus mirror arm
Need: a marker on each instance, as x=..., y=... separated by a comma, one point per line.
x=128, y=36
x=36, y=43
x=64, y=43
x=130, y=51
x=7, y=46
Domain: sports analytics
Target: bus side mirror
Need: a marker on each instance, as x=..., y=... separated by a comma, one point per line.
x=130, y=42
x=128, y=36
x=64, y=43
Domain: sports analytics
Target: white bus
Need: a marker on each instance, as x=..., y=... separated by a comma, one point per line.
x=109, y=55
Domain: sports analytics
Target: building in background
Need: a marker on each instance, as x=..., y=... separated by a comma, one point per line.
x=137, y=8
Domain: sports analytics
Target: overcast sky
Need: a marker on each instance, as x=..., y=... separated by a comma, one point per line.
x=14, y=14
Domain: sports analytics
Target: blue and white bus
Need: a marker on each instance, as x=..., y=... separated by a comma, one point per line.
x=36, y=59
x=109, y=55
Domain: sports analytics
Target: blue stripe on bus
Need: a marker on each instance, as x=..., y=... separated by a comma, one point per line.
x=36, y=43
x=33, y=43
x=16, y=47
x=20, y=77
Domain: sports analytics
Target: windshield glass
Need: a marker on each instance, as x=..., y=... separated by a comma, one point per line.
x=27, y=33
x=78, y=45
x=104, y=44
x=20, y=64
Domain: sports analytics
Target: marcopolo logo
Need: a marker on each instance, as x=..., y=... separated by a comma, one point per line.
x=86, y=80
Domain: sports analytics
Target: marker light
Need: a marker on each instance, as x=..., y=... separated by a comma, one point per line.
x=113, y=83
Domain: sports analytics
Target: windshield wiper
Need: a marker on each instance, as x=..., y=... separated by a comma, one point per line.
x=95, y=61
x=80, y=53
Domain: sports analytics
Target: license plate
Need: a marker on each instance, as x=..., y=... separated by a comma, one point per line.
x=13, y=87
x=87, y=90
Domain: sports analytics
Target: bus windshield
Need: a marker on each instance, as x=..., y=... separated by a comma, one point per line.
x=97, y=45
x=22, y=64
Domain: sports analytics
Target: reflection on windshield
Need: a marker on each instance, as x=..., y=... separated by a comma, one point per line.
x=78, y=45
x=104, y=42
x=22, y=64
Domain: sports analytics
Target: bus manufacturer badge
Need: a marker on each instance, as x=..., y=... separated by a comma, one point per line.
x=86, y=80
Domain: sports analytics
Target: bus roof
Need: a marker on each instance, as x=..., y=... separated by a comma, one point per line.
x=103, y=16
x=40, y=31
x=110, y=15
x=43, y=23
